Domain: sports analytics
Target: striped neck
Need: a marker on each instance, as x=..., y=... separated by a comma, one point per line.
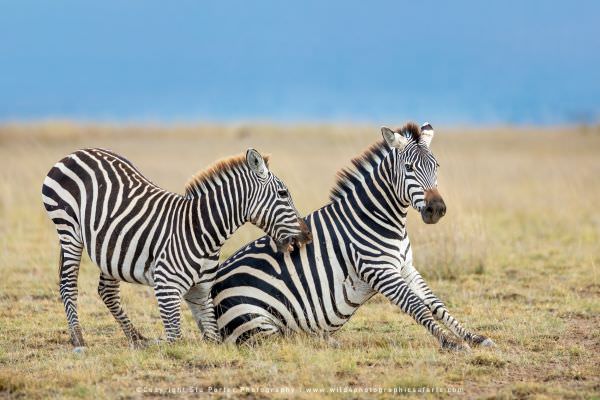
x=368, y=190
x=372, y=202
x=219, y=208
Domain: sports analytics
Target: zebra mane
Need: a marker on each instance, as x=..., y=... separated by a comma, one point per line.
x=364, y=163
x=411, y=129
x=197, y=183
x=367, y=161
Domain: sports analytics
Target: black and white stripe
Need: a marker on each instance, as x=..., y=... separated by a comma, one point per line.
x=360, y=247
x=136, y=232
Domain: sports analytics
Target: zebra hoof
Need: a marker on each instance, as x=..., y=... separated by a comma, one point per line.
x=463, y=348
x=488, y=343
x=457, y=347
x=140, y=344
x=146, y=343
x=79, y=350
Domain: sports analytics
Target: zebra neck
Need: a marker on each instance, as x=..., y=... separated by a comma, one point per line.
x=215, y=216
x=371, y=217
x=374, y=201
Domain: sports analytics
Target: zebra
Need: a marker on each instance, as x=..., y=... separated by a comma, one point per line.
x=137, y=232
x=359, y=247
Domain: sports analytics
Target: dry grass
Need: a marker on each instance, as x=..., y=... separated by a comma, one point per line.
x=516, y=258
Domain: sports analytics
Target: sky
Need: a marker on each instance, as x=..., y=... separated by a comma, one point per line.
x=458, y=62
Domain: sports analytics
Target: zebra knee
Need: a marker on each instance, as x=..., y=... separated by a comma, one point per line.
x=438, y=310
x=107, y=293
x=101, y=289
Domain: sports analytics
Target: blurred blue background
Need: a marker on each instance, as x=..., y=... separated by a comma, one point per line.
x=459, y=62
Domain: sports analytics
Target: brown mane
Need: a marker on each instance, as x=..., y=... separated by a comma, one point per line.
x=218, y=168
x=367, y=160
x=412, y=129
x=372, y=155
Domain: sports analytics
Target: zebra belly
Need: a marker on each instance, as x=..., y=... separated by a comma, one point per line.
x=346, y=297
x=245, y=315
x=122, y=265
x=121, y=250
x=244, y=306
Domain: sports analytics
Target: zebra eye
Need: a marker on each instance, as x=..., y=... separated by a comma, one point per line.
x=409, y=167
x=282, y=193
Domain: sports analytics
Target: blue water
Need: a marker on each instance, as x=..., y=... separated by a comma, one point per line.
x=530, y=62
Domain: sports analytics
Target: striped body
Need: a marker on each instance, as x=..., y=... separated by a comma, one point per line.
x=136, y=232
x=315, y=289
x=360, y=247
x=125, y=221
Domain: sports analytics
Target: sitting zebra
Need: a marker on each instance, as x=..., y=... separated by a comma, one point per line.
x=360, y=247
x=136, y=232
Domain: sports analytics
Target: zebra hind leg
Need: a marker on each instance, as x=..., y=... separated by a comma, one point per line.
x=70, y=259
x=109, y=291
x=256, y=331
x=201, y=304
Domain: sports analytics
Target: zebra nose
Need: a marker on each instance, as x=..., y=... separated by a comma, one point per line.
x=434, y=211
x=437, y=209
x=428, y=211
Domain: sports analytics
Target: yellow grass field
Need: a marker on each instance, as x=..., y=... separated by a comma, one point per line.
x=516, y=258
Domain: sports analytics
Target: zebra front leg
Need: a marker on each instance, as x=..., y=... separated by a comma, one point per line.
x=109, y=291
x=439, y=310
x=201, y=304
x=70, y=258
x=169, y=306
x=387, y=280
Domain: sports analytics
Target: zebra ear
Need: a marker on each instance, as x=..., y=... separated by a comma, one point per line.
x=427, y=133
x=393, y=139
x=256, y=163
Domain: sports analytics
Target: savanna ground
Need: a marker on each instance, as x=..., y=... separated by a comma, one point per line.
x=516, y=258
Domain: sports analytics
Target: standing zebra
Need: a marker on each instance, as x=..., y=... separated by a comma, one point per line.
x=360, y=247
x=137, y=232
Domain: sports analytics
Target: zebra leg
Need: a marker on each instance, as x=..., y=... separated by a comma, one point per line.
x=439, y=310
x=201, y=304
x=109, y=291
x=169, y=305
x=387, y=280
x=70, y=258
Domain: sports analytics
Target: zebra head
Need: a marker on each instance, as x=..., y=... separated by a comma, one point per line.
x=414, y=169
x=271, y=208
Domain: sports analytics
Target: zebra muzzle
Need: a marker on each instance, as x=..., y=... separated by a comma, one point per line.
x=285, y=245
x=435, y=208
x=305, y=235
